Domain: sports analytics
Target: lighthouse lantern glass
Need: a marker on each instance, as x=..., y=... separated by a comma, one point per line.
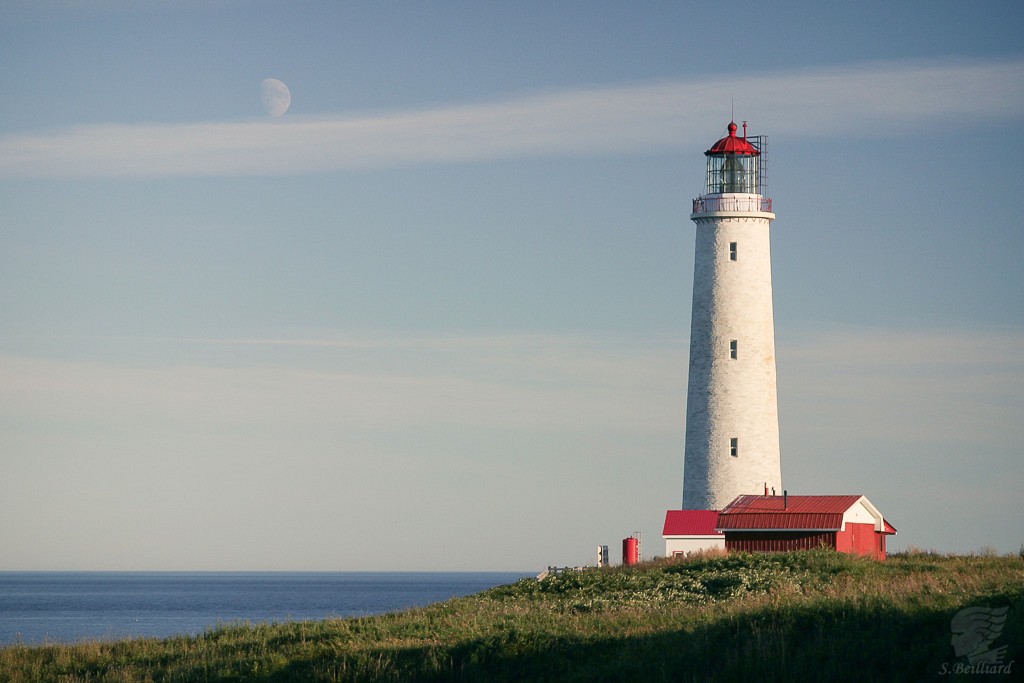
x=732, y=173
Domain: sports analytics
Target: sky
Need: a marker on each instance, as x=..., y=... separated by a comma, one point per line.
x=436, y=315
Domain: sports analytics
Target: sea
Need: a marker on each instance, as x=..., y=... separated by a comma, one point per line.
x=68, y=607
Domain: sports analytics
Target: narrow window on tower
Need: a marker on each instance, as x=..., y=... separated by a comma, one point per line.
x=732, y=349
x=732, y=251
x=734, y=447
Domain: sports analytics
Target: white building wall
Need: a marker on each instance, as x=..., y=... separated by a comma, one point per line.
x=731, y=398
x=864, y=512
x=692, y=544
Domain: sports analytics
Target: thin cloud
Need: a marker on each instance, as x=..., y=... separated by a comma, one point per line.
x=904, y=387
x=526, y=383
x=865, y=99
x=917, y=386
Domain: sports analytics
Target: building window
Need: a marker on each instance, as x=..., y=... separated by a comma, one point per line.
x=732, y=251
x=734, y=447
x=732, y=349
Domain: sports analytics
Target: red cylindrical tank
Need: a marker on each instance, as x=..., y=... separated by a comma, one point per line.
x=630, y=551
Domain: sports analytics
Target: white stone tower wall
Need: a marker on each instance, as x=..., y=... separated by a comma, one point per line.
x=731, y=398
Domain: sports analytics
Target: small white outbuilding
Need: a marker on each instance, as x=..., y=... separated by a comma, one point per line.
x=688, y=531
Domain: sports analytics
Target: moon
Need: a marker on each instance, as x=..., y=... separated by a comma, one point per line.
x=275, y=96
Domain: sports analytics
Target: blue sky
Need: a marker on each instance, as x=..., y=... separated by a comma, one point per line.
x=436, y=316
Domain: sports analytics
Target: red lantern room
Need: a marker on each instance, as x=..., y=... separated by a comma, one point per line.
x=734, y=164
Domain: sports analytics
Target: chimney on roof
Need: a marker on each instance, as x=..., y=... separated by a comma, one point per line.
x=766, y=489
x=785, y=500
x=773, y=490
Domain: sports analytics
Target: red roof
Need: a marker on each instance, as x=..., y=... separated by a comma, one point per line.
x=691, y=523
x=777, y=512
x=734, y=145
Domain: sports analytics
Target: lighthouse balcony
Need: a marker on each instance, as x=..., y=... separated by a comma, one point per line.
x=732, y=202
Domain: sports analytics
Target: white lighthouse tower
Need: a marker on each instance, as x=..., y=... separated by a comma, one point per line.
x=732, y=416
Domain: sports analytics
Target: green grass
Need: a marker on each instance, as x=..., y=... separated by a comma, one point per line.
x=805, y=616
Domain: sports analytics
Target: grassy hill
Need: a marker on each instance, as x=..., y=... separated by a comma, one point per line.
x=789, y=616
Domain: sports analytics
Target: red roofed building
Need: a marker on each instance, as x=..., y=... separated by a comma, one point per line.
x=688, y=531
x=849, y=524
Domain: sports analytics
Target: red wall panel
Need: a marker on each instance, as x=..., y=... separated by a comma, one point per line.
x=779, y=541
x=863, y=540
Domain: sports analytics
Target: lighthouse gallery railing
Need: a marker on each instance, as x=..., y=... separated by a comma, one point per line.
x=747, y=203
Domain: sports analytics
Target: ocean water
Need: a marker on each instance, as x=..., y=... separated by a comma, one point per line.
x=65, y=607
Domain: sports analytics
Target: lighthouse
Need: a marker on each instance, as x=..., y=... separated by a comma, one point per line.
x=732, y=416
